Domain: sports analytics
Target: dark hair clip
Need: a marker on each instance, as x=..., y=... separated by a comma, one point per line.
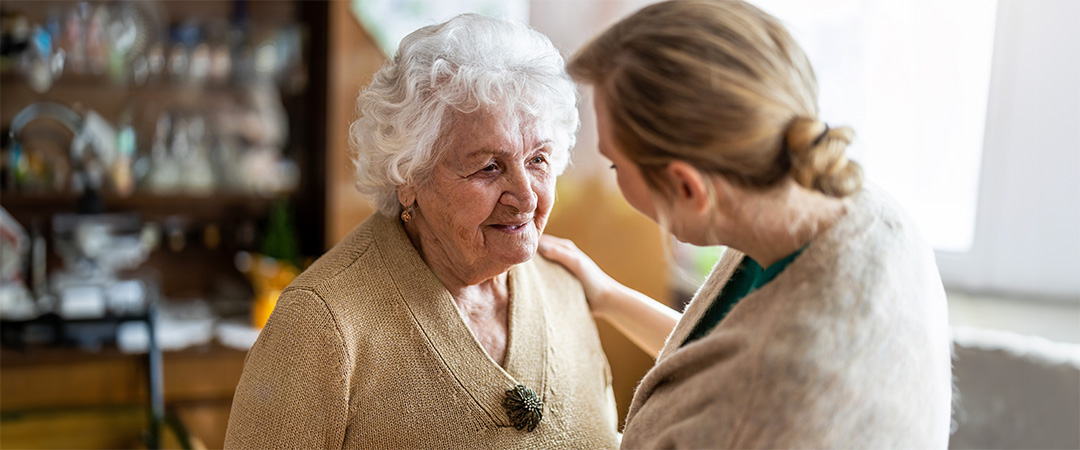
x=820, y=137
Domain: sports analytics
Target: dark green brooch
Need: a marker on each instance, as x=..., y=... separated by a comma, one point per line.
x=523, y=407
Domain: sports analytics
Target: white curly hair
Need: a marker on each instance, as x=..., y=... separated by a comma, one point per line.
x=465, y=64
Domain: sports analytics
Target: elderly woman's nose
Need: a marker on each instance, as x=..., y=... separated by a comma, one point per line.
x=519, y=193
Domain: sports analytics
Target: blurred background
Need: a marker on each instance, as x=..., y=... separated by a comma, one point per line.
x=168, y=167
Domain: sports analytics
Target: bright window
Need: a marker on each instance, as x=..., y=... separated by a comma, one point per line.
x=912, y=77
x=390, y=20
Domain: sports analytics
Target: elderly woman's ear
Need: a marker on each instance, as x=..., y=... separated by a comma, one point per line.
x=406, y=195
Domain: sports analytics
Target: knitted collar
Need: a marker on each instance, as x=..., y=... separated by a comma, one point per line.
x=435, y=314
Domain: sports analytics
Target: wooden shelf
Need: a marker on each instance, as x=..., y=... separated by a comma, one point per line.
x=149, y=206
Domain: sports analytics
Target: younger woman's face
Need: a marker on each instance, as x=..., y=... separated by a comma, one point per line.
x=631, y=181
x=685, y=224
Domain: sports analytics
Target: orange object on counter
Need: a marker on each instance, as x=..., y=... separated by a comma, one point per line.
x=268, y=278
x=263, y=306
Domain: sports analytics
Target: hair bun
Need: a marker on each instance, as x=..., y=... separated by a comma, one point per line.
x=819, y=157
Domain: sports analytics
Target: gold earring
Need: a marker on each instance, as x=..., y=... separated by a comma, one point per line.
x=406, y=216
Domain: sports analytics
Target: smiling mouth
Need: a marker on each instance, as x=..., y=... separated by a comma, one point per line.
x=510, y=228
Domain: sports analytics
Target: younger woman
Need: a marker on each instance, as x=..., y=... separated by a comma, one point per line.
x=824, y=325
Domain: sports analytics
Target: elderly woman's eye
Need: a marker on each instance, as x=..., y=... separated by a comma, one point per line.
x=539, y=160
x=490, y=168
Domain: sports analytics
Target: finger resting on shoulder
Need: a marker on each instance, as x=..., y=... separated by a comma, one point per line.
x=556, y=241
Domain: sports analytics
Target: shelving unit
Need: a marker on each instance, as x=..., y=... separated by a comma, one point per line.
x=305, y=144
x=64, y=389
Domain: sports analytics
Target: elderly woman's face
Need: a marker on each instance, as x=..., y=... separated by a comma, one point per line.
x=488, y=198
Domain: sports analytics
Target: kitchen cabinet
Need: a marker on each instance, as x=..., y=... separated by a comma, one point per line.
x=262, y=116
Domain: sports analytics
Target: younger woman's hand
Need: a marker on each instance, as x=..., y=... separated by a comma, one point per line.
x=645, y=321
x=597, y=284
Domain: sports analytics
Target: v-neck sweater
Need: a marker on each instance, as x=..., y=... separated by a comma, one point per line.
x=848, y=347
x=366, y=349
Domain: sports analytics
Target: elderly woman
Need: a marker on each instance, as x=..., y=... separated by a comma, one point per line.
x=431, y=325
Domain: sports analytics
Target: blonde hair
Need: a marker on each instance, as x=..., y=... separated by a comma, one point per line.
x=721, y=85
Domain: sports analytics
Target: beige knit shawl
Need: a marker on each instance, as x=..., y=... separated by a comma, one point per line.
x=847, y=348
x=367, y=350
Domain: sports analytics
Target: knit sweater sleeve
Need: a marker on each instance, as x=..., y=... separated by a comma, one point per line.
x=294, y=391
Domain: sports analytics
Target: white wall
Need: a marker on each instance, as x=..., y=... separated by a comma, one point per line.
x=1027, y=237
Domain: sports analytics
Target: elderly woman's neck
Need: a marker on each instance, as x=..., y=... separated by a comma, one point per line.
x=465, y=283
x=481, y=294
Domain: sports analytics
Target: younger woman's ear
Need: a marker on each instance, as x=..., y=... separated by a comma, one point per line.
x=690, y=186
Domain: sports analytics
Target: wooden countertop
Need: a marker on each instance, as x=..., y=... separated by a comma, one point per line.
x=42, y=378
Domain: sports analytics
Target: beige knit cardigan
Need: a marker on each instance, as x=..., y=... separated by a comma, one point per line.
x=366, y=349
x=848, y=347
